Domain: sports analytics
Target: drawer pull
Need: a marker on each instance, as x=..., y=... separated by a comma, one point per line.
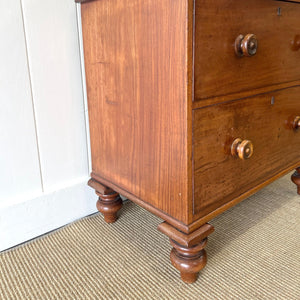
x=296, y=43
x=242, y=148
x=246, y=45
x=296, y=123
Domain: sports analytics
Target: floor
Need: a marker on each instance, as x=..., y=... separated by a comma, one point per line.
x=254, y=253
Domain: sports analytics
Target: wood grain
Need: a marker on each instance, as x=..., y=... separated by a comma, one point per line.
x=83, y=1
x=136, y=62
x=219, y=71
x=140, y=89
x=186, y=240
x=188, y=254
x=158, y=212
x=219, y=177
x=296, y=1
x=243, y=94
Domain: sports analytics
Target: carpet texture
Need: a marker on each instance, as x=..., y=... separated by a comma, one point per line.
x=254, y=253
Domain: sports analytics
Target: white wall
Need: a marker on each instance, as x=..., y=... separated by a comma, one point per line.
x=44, y=153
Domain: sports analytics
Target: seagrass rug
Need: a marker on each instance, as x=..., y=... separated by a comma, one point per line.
x=254, y=253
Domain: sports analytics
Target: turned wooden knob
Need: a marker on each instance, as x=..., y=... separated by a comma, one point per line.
x=296, y=123
x=246, y=45
x=296, y=43
x=242, y=148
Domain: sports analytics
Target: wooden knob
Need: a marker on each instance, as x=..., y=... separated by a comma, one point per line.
x=242, y=148
x=246, y=45
x=296, y=43
x=296, y=123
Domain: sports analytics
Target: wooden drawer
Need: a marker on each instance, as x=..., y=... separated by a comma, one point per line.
x=266, y=120
x=219, y=71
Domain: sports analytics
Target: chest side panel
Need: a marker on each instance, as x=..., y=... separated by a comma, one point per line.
x=136, y=68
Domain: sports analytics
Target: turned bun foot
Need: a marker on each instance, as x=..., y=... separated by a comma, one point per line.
x=109, y=202
x=189, y=261
x=109, y=205
x=188, y=254
x=296, y=179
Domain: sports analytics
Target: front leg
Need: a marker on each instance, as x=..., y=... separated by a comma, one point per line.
x=109, y=202
x=296, y=179
x=188, y=254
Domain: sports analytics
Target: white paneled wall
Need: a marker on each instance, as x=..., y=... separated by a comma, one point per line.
x=54, y=61
x=43, y=133
x=19, y=161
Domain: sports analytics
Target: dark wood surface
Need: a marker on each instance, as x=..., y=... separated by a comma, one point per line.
x=186, y=240
x=109, y=202
x=188, y=254
x=136, y=61
x=83, y=1
x=140, y=88
x=267, y=124
x=158, y=212
x=243, y=94
x=296, y=179
x=296, y=1
x=219, y=71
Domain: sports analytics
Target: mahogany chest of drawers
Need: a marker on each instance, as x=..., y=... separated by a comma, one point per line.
x=193, y=106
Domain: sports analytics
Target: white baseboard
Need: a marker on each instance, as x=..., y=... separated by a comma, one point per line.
x=25, y=220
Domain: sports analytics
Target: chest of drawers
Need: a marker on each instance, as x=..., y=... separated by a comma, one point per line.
x=193, y=106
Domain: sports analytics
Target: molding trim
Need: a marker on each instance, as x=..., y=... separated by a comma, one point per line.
x=33, y=217
x=176, y=223
x=83, y=1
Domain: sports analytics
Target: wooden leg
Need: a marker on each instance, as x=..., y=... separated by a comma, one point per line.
x=296, y=179
x=188, y=254
x=109, y=202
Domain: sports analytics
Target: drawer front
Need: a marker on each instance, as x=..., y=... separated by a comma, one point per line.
x=219, y=70
x=267, y=121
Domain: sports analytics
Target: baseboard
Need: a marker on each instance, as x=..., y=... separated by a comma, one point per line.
x=25, y=220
